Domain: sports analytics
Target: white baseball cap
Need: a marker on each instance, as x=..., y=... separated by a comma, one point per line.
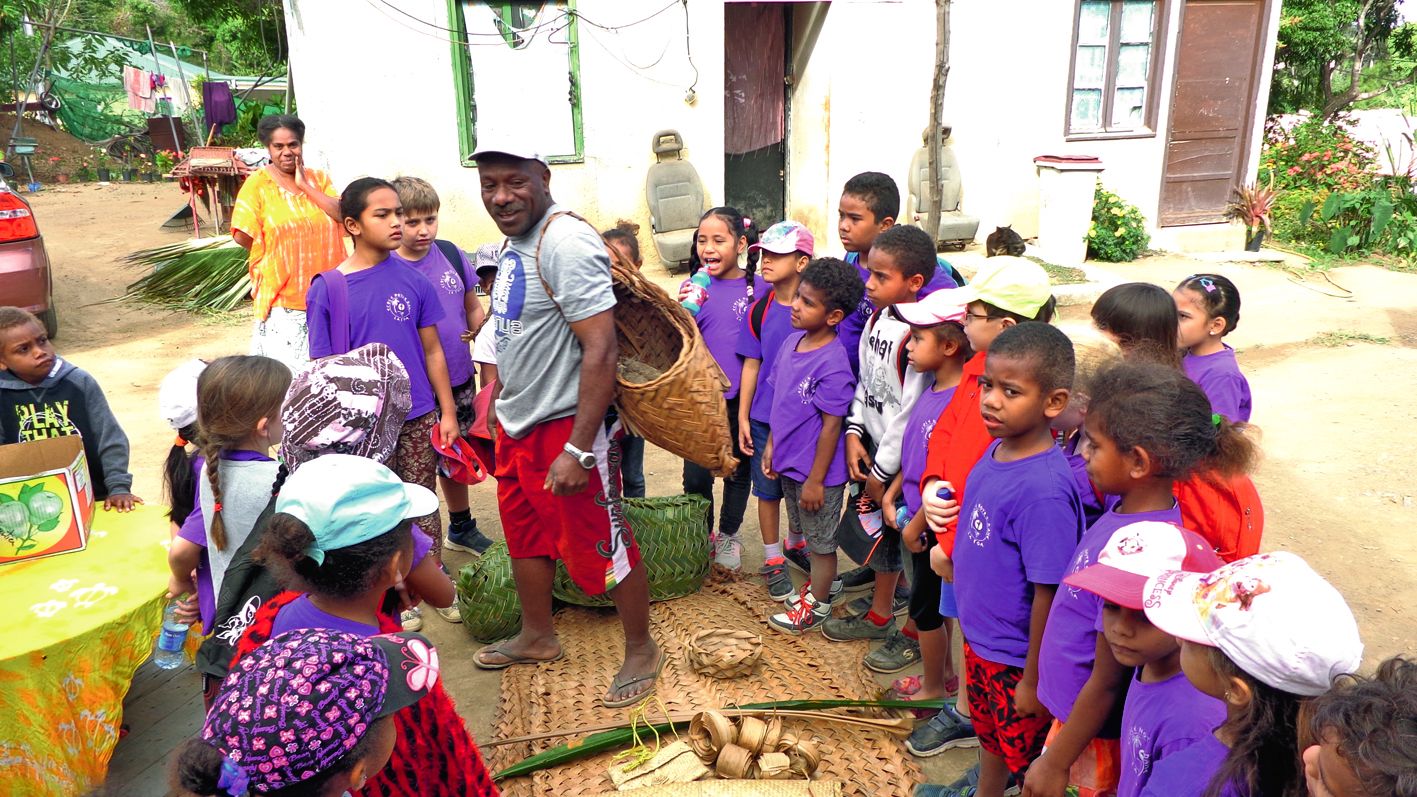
x=177, y=395
x=493, y=144
x=1138, y=551
x=935, y=309
x=1271, y=614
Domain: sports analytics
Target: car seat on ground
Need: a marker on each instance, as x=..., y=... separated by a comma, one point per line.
x=676, y=199
x=957, y=229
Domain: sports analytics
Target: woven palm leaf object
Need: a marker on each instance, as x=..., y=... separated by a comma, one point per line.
x=724, y=652
x=669, y=388
x=672, y=533
x=487, y=596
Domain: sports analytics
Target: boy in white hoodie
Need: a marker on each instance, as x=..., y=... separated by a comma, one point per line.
x=902, y=262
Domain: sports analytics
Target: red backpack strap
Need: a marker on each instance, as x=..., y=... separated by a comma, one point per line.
x=759, y=312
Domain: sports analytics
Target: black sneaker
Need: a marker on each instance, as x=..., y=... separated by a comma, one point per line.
x=798, y=560
x=900, y=606
x=897, y=653
x=944, y=731
x=862, y=578
x=780, y=586
x=465, y=537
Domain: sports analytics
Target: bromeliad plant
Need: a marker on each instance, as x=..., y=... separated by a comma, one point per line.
x=1252, y=205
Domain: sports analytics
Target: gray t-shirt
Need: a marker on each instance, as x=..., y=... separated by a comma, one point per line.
x=245, y=491
x=538, y=357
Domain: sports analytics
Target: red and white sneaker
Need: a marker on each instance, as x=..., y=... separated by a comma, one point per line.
x=834, y=595
x=807, y=615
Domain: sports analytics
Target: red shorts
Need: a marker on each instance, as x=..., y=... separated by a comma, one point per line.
x=587, y=531
x=1098, y=769
x=1017, y=740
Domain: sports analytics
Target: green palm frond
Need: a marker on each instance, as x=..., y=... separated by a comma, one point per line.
x=202, y=276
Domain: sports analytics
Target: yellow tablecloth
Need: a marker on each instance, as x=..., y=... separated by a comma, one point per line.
x=74, y=629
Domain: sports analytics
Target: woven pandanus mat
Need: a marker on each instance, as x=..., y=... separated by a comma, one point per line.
x=564, y=694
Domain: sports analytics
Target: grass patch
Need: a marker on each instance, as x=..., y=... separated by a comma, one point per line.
x=1346, y=337
x=1060, y=275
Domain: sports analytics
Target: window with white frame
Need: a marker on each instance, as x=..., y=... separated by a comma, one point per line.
x=517, y=69
x=1112, y=70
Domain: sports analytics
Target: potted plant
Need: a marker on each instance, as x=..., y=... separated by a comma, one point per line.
x=102, y=165
x=57, y=164
x=146, y=168
x=1252, y=206
x=129, y=173
x=85, y=172
x=165, y=159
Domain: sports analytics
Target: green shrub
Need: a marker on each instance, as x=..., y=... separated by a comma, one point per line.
x=1316, y=155
x=1381, y=218
x=1118, y=230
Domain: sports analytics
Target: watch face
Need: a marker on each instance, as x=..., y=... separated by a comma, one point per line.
x=587, y=461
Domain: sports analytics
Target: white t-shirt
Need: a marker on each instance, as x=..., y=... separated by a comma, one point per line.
x=484, y=346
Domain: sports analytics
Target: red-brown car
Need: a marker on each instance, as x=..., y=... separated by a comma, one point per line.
x=25, y=278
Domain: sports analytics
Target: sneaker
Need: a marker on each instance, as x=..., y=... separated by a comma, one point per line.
x=798, y=559
x=944, y=731
x=834, y=595
x=412, y=619
x=850, y=629
x=728, y=551
x=900, y=605
x=898, y=653
x=858, y=580
x=452, y=614
x=465, y=537
x=807, y=615
x=780, y=585
x=966, y=786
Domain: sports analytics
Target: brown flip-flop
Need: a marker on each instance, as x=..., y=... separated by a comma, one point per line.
x=512, y=659
x=617, y=684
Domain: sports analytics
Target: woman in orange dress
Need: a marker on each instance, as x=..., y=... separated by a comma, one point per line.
x=287, y=216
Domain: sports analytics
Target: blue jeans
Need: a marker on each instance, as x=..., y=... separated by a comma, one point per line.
x=764, y=488
x=632, y=466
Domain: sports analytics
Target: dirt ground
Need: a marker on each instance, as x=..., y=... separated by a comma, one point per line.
x=1337, y=420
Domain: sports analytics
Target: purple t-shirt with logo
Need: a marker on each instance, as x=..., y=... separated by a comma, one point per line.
x=1019, y=523
x=777, y=326
x=916, y=442
x=720, y=319
x=1159, y=721
x=850, y=329
x=807, y=384
x=388, y=304
x=1187, y=772
x=1219, y=376
x=1070, y=639
x=1093, y=505
x=194, y=530
x=447, y=283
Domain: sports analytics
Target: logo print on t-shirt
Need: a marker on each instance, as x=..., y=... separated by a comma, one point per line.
x=450, y=283
x=1081, y=561
x=740, y=307
x=926, y=429
x=979, y=529
x=508, y=298
x=807, y=389
x=399, y=307
x=1140, y=741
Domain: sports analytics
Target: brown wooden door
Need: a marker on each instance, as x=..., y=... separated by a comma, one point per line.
x=1212, y=108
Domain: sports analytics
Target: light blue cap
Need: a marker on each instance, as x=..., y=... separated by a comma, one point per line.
x=346, y=500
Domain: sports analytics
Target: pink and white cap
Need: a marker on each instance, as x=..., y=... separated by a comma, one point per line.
x=1138, y=551
x=1271, y=614
x=786, y=237
x=933, y=310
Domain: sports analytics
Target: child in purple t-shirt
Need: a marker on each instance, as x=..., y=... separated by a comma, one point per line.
x=1164, y=713
x=1019, y=520
x=1209, y=309
x=463, y=314
x=1148, y=427
x=390, y=303
x=722, y=238
x=786, y=249
x=812, y=383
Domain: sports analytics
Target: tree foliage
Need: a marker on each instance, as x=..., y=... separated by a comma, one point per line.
x=1326, y=47
x=247, y=34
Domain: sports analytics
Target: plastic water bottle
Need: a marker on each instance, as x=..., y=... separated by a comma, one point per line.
x=698, y=292
x=171, y=639
x=902, y=517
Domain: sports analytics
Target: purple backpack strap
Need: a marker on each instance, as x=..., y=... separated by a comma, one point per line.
x=337, y=288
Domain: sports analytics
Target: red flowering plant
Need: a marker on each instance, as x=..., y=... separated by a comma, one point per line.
x=1316, y=155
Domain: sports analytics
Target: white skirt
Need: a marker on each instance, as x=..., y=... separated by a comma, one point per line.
x=283, y=336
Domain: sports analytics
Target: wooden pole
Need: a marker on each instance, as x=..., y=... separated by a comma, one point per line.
x=937, y=106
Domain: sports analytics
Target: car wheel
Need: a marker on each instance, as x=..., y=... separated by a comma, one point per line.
x=50, y=319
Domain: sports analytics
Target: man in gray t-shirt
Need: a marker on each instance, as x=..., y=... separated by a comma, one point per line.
x=558, y=454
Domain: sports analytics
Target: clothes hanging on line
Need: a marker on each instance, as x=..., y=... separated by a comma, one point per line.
x=137, y=84
x=218, y=106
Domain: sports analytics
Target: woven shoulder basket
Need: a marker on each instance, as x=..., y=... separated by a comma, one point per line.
x=672, y=533
x=669, y=389
x=487, y=596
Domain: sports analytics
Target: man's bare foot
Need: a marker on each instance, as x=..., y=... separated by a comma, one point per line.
x=636, y=678
x=518, y=650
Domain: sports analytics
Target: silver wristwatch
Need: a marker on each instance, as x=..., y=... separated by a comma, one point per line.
x=584, y=458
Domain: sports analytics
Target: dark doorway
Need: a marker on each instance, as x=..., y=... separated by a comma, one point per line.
x=1212, y=108
x=755, y=109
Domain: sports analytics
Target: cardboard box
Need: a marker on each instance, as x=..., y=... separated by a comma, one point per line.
x=46, y=499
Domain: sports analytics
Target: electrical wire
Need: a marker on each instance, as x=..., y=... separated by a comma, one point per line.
x=688, y=53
